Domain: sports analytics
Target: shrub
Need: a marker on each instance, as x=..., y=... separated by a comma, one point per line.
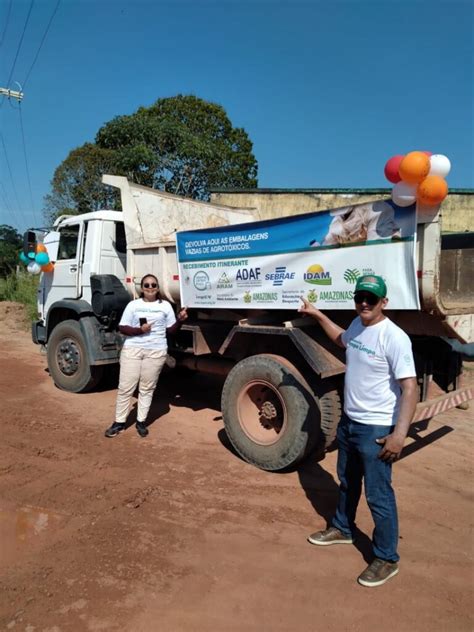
x=21, y=288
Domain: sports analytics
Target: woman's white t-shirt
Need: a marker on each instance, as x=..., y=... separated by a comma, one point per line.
x=159, y=314
x=377, y=357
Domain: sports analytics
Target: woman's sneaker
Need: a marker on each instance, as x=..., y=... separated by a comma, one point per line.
x=329, y=536
x=378, y=573
x=114, y=429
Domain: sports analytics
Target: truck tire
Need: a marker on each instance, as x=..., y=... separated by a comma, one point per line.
x=68, y=361
x=270, y=415
x=330, y=409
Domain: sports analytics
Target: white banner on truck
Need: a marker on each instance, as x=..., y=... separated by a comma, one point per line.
x=271, y=264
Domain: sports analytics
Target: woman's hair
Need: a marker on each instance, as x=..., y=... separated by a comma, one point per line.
x=147, y=276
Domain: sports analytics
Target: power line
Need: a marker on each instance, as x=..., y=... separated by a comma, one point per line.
x=42, y=41
x=19, y=45
x=26, y=164
x=11, y=178
x=6, y=23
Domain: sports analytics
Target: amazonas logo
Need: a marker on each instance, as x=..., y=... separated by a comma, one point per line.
x=316, y=276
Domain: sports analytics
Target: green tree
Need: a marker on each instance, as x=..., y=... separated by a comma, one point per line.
x=10, y=245
x=182, y=144
x=76, y=186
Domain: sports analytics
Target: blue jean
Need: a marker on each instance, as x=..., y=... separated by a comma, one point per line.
x=357, y=460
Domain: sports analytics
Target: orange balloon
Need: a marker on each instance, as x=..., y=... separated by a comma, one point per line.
x=432, y=191
x=40, y=247
x=414, y=167
x=49, y=267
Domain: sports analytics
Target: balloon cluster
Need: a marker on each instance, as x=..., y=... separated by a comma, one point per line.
x=418, y=176
x=37, y=261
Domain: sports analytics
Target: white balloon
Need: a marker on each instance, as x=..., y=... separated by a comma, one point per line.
x=33, y=268
x=404, y=194
x=440, y=165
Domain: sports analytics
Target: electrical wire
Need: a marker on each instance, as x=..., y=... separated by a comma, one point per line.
x=19, y=46
x=42, y=42
x=26, y=164
x=25, y=221
x=6, y=23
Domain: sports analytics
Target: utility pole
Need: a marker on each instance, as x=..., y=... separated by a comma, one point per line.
x=11, y=94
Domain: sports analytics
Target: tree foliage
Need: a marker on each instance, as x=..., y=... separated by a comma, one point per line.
x=10, y=245
x=183, y=145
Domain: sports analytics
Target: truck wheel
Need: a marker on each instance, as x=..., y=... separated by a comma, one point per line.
x=67, y=359
x=270, y=415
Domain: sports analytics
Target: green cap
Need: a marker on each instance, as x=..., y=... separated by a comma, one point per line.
x=372, y=283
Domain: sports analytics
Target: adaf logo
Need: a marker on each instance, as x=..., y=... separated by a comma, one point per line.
x=316, y=276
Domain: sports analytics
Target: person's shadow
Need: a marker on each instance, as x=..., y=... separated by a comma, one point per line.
x=322, y=492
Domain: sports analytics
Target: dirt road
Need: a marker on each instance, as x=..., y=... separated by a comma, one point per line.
x=175, y=533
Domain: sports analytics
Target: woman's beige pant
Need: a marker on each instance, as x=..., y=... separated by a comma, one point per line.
x=142, y=367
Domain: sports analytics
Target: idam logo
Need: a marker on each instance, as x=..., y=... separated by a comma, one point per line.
x=316, y=276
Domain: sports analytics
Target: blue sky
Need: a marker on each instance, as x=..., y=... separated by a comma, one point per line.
x=327, y=91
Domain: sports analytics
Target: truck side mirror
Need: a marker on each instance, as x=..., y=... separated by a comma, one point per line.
x=29, y=243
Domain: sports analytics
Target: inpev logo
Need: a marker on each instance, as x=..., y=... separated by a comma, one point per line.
x=201, y=281
x=316, y=275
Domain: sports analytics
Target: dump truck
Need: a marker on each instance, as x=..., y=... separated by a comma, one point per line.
x=282, y=392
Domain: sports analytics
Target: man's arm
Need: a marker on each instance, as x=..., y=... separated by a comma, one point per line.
x=333, y=331
x=393, y=443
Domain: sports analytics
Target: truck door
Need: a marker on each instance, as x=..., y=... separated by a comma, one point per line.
x=67, y=269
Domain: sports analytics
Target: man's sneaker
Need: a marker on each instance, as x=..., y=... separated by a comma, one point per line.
x=141, y=428
x=378, y=573
x=114, y=429
x=329, y=536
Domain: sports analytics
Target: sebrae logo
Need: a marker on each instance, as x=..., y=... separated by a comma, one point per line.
x=279, y=276
x=316, y=276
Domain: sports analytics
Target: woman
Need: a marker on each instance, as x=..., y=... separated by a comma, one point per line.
x=145, y=322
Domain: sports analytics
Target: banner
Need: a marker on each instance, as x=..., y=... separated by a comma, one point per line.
x=271, y=264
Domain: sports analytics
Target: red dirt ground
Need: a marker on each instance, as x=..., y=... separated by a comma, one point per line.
x=175, y=533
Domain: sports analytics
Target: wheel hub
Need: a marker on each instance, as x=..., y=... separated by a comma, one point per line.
x=262, y=413
x=68, y=356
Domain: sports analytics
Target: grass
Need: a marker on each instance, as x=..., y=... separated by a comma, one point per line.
x=21, y=288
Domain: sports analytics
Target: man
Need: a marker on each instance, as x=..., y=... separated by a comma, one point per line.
x=380, y=395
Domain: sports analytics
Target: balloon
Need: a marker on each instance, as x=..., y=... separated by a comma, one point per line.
x=391, y=169
x=49, y=267
x=428, y=153
x=404, y=194
x=440, y=165
x=40, y=247
x=432, y=191
x=23, y=258
x=414, y=167
x=34, y=268
x=42, y=258
x=31, y=255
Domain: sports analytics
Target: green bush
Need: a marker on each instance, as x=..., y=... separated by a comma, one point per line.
x=21, y=288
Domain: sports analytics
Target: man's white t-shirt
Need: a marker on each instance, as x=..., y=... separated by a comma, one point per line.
x=377, y=357
x=159, y=314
